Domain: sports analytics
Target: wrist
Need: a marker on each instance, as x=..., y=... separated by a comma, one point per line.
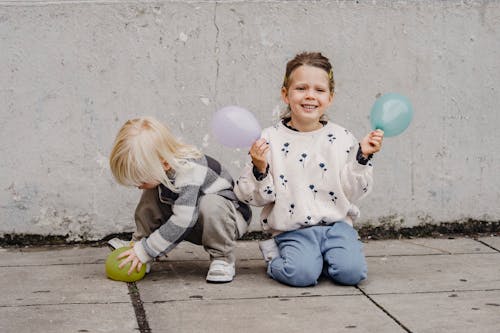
x=261, y=167
x=260, y=175
x=141, y=253
x=361, y=157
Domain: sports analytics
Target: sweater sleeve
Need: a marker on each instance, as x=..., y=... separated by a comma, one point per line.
x=356, y=178
x=252, y=191
x=172, y=232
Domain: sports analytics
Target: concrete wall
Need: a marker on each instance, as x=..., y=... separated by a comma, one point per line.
x=72, y=72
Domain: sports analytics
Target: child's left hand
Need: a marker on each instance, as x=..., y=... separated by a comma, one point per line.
x=131, y=257
x=372, y=143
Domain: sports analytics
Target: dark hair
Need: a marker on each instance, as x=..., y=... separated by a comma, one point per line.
x=315, y=59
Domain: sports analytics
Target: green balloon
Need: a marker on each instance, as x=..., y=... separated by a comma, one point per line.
x=115, y=273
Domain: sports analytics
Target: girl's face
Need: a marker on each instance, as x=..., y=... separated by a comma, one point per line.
x=308, y=95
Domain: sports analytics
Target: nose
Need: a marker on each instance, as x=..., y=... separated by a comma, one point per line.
x=310, y=93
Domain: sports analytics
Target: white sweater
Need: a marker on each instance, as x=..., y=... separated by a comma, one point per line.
x=313, y=179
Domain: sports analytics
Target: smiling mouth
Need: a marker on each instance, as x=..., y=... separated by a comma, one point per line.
x=309, y=107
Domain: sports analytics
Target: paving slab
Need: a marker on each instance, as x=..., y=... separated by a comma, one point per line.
x=64, y=318
x=409, y=274
x=59, y=284
x=457, y=312
x=181, y=277
x=452, y=245
x=422, y=246
x=380, y=248
x=295, y=314
x=52, y=255
x=57, y=276
x=185, y=280
x=188, y=251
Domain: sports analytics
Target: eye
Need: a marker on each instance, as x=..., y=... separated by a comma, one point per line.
x=300, y=88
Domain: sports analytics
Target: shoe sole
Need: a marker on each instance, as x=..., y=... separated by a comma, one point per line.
x=117, y=243
x=218, y=281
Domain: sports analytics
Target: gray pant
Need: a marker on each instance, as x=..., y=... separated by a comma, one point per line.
x=218, y=227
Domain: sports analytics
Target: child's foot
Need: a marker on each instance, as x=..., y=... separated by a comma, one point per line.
x=220, y=272
x=269, y=249
x=116, y=243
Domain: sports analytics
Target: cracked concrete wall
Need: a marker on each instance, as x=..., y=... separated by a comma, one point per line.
x=73, y=72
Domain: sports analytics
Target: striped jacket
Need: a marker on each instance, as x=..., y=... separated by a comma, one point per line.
x=203, y=176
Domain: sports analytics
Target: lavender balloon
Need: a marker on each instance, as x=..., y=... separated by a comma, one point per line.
x=235, y=127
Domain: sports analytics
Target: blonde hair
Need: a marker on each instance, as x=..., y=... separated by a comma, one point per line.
x=314, y=59
x=141, y=148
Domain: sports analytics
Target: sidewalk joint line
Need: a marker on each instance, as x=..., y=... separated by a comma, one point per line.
x=430, y=254
x=430, y=247
x=58, y=304
x=53, y=264
x=201, y=299
x=432, y=292
x=488, y=245
x=384, y=310
x=137, y=303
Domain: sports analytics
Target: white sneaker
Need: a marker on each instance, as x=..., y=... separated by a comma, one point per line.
x=220, y=271
x=269, y=249
x=116, y=243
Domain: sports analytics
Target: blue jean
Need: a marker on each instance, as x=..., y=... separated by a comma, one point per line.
x=305, y=253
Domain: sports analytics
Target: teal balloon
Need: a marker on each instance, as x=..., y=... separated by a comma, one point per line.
x=391, y=113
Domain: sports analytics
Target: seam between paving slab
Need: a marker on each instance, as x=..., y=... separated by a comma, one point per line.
x=430, y=292
x=140, y=312
x=50, y=264
x=59, y=303
x=200, y=298
x=453, y=291
x=488, y=245
x=400, y=324
x=429, y=254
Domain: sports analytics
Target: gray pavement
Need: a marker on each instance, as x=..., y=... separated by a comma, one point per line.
x=417, y=285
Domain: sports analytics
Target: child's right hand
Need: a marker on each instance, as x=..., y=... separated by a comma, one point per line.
x=258, y=153
x=131, y=257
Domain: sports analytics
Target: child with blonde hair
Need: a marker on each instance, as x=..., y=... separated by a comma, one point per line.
x=309, y=173
x=186, y=196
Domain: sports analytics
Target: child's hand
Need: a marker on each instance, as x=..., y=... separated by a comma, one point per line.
x=258, y=153
x=131, y=257
x=372, y=142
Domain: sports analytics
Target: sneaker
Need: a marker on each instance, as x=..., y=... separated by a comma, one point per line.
x=117, y=243
x=220, y=272
x=269, y=249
